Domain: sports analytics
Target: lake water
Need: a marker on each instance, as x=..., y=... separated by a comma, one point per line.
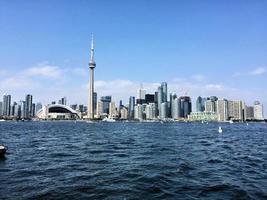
x=78, y=160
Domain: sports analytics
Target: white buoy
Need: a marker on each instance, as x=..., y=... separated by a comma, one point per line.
x=220, y=129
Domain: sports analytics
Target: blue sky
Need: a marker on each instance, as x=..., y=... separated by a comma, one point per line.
x=198, y=47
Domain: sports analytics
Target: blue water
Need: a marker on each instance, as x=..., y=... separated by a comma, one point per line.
x=68, y=160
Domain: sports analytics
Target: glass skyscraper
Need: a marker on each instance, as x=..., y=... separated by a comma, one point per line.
x=106, y=100
x=131, y=107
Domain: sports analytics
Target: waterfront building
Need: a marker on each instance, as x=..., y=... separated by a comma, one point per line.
x=6, y=105
x=150, y=111
x=13, y=108
x=58, y=112
x=164, y=110
x=94, y=102
x=28, y=106
x=106, y=100
x=22, y=109
x=203, y=116
x=99, y=109
x=131, y=108
x=17, y=110
x=124, y=113
x=200, y=104
x=222, y=109
x=249, y=112
x=176, y=104
x=1, y=108
x=92, y=66
x=138, y=112
x=112, y=110
x=258, y=111
x=185, y=106
x=236, y=110
x=159, y=98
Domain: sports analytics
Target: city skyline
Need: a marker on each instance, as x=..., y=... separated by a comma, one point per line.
x=226, y=58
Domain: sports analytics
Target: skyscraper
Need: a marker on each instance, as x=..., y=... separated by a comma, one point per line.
x=222, y=109
x=95, y=102
x=164, y=92
x=28, y=106
x=159, y=100
x=185, y=106
x=6, y=105
x=106, y=100
x=200, y=104
x=249, y=112
x=92, y=65
x=140, y=95
x=258, y=111
x=1, y=108
x=131, y=107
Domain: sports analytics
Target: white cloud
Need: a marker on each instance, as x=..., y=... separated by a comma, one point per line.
x=255, y=72
x=258, y=71
x=44, y=70
x=198, y=77
x=17, y=83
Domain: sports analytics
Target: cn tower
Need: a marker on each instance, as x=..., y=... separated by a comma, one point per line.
x=92, y=65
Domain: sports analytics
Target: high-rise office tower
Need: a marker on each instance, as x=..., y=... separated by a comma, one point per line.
x=95, y=102
x=6, y=105
x=28, y=106
x=164, y=92
x=124, y=113
x=1, y=108
x=33, y=110
x=92, y=66
x=222, y=109
x=258, y=111
x=106, y=100
x=150, y=111
x=140, y=95
x=63, y=101
x=200, y=104
x=138, y=112
x=210, y=104
x=99, y=109
x=159, y=99
x=112, y=110
x=22, y=109
x=236, y=110
x=249, y=112
x=164, y=110
x=131, y=107
x=185, y=106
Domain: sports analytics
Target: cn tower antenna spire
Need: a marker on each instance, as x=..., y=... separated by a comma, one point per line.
x=92, y=41
x=92, y=57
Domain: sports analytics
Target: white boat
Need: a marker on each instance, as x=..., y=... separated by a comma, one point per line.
x=3, y=150
x=231, y=122
x=2, y=120
x=220, y=129
x=108, y=120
